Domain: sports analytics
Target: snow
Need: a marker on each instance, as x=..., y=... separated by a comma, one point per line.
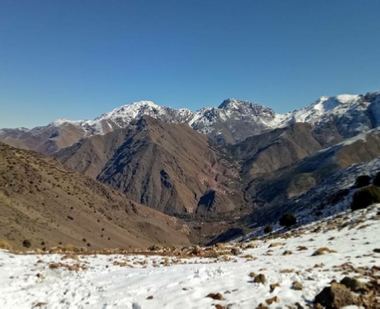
x=354, y=139
x=186, y=282
x=324, y=108
x=347, y=98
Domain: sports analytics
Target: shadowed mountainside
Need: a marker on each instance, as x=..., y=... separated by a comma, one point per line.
x=272, y=150
x=297, y=178
x=169, y=167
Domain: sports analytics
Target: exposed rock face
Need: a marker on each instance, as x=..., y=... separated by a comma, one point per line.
x=46, y=203
x=234, y=120
x=342, y=115
x=211, y=201
x=168, y=167
x=336, y=296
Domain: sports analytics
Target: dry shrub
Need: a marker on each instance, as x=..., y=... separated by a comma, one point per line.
x=5, y=245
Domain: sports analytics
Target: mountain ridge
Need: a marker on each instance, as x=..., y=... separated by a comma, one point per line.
x=169, y=167
x=231, y=122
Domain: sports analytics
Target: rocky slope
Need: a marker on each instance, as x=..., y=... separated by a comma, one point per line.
x=275, y=149
x=332, y=119
x=276, y=187
x=43, y=201
x=168, y=167
x=341, y=116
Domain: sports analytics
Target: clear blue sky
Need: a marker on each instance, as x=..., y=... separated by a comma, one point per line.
x=78, y=59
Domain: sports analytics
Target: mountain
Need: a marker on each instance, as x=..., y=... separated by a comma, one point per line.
x=49, y=204
x=329, y=197
x=274, y=149
x=234, y=120
x=332, y=118
x=340, y=117
x=63, y=132
x=47, y=139
x=169, y=167
x=276, y=187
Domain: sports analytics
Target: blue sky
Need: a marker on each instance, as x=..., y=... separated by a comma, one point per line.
x=78, y=59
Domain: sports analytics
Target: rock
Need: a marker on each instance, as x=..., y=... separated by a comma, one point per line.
x=287, y=271
x=377, y=250
x=272, y=300
x=298, y=306
x=335, y=296
x=236, y=251
x=297, y=286
x=220, y=245
x=275, y=244
x=136, y=306
x=273, y=286
x=150, y=297
x=321, y=251
x=250, y=246
x=287, y=252
x=252, y=275
x=156, y=247
x=217, y=306
x=198, y=251
x=260, y=278
x=40, y=304
x=353, y=284
x=216, y=296
x=301, y=248
x=40, y=276
x=261, y=306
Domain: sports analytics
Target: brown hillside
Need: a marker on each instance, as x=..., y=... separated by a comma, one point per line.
x=88, y=156
x=275, y=149
x=299, y=177
x=45, y=202
x=46, y=140
x=169, y=167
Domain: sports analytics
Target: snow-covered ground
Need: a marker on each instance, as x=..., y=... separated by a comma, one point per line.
x=156, y=281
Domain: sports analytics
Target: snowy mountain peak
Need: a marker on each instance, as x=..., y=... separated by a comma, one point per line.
x=326, y=107
x=130, y=110
x=329, y=103
x=347, y=98
x=233, y=103
x=60, y=121
x=246, y=108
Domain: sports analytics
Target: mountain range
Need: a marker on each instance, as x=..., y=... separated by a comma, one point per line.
x=217, y=168
x=332, y=118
